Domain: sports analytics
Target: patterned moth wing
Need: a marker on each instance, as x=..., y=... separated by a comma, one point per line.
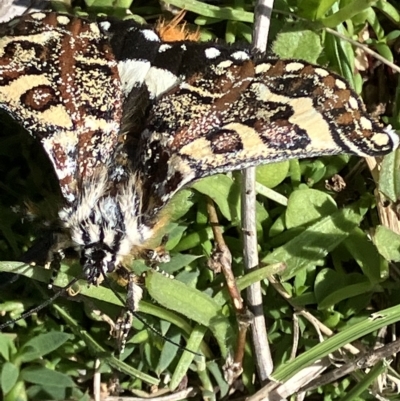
x=59, y=79
x=188, y=110
x=241, y=113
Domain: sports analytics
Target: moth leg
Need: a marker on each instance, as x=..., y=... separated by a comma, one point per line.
x=134, y=293
x=124, y=321
x=158, y=255
x=122, y=328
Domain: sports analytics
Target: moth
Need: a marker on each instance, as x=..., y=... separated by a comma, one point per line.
x=128, y=120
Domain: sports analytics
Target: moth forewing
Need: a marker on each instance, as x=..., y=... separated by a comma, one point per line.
x=234, y=116
x=43, y=57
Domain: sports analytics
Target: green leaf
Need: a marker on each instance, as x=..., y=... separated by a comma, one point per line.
x=308, y=205
x=6, y=346
x=388, y=243
x=221, y=189
x=314, y=9
x=332, y=287
x=365, y=253
x=271, y=175
x=178, y=261
x=44, y=376
x=299, y=42
x=9, y=376
x=358, y=391
x=195, y=339
x=191, y=303
x=43, y=344
x=389, y=10
x=209, y=10
x=389, y=176
x=309, y=247
x=347, y=12
x=180, y=203
x=353, y=332
x=175, y=232
x=17, y=393
x=169, y=350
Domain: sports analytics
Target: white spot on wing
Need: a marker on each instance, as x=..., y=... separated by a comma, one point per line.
x=224, y=64
x=240, y=55
x=264, y=67
x=321, y=72
x=39, y=16
x=158, y=81
x=105, y=25
x=353, y=103
x=366, y=123
x=150, y=35
x=212, y=52
x=63, y=19
x=164, y=48
x=340, y=84
x=132, y=72
x=393, y=136
x=293, y=67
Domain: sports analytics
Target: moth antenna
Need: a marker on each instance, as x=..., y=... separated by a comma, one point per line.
x=41, y=306
x=131, y=311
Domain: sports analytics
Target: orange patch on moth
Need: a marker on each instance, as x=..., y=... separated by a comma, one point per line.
x=175, y=31
x=278, y=69
x=348, y=118
x=339, y=99
x=329, y=81
x=308, y=70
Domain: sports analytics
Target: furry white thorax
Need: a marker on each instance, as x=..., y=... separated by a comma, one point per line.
x=109, y=222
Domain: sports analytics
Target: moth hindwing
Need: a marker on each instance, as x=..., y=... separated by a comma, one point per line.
x=127, y=120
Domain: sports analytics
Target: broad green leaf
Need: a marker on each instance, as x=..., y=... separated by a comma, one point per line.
x=177, y=262
x=221, y=189
x=175, y=232
x=195, y=239
x=313, y=244
x=180, y=204
x=6, y=346
x=17, y=393
x=224, y=387
x=389, y=10
x=191, y=303
x=332, y=287
x=44, y=376
x=42, y=345
x=389, y=176
x=298, y=42
x=271, y=175
x=209, y=10
x=9, y=376
x=387, y=243
x=168, y=352
x=366, y=255
x=314, y=9
x=308, y=205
